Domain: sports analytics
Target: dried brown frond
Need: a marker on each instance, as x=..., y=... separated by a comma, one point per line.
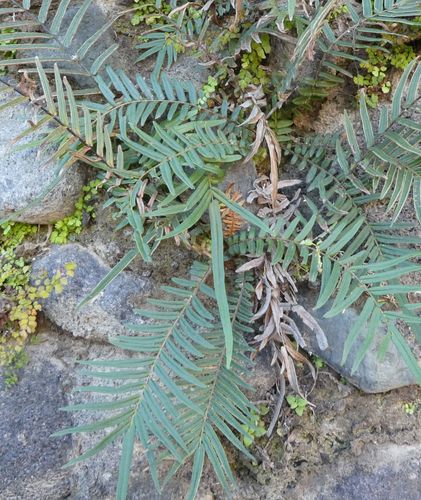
x=231, y=220
x=276, y=293
x=256, y=100
x=262, y=195
x=277, y=296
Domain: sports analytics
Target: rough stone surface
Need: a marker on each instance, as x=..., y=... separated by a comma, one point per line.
x=26, y=175
x=373, y=374
x=262, y=377
x=396, y=471
x=242, y=175
x=106, y=315
x=187, y=68
x=29, y=413
x=389, y=472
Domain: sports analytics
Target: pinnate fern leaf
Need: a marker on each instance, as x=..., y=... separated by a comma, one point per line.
x=175, y=394
x=392, y=153
x=42, y=27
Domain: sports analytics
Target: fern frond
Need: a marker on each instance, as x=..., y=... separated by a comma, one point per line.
x=316, y=89
x=305, y=43
x=366, y=29
x=392, y=154
x=177, y=395
x=41, y=31
x=348, y=276
x=165, y=41
x=169, y=152
x=140, y=101
x=340, y=242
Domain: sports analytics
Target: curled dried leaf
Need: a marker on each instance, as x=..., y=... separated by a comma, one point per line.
x=313, y=325
x=232, y=222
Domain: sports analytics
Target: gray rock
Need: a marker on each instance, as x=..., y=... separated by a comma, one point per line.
x=31, y=459
x=106, y=315
x=188, y=69
x=29, y=413
x=27, y=174
x=373, y=374
x=242, y=175
x=262, y=376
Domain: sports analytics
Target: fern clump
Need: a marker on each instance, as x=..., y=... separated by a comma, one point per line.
x=163, y=147
x=196, y=396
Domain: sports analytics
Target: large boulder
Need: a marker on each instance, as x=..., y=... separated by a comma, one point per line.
x=26, y=175
x=107, y=314
x=374, y=374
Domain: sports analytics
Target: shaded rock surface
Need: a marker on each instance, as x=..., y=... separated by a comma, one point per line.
x=29, y=413
x=389, y=472
x=373, y=374
x=242, y=176
x=106, y=314
x=31, y=459
x=27, y=174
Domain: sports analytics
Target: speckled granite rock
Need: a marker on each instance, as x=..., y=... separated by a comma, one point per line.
x=27, y=174
x=29, y=412
x=106, y=314
x=373, y=374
